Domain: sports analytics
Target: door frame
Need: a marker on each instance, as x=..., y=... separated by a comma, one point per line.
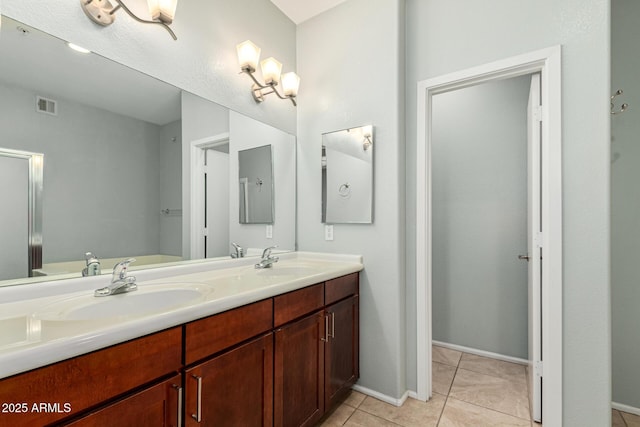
x=547, y=62
x=34, y=197
x=196, y=190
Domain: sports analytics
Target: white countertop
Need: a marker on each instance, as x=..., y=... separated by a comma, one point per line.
x=48, y=322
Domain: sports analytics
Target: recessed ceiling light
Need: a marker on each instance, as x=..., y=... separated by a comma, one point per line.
x=78, y=48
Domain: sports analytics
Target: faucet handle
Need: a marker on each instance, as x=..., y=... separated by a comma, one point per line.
x=267, y=252
x=120, y=269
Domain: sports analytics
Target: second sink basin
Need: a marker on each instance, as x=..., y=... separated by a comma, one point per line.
x=146, y=300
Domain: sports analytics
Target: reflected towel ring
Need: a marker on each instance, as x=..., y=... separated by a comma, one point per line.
x=344, y=190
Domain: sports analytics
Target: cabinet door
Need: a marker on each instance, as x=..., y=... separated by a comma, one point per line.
x=299, y=372
x=159, y=405
x=233, y=389
x=342, y=367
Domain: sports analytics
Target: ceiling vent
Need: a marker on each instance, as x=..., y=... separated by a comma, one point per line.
x=46, y=106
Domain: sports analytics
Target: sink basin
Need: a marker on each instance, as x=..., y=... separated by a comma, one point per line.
x=144, y=301
x=18, y=331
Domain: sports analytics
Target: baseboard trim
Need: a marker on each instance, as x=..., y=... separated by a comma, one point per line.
x=481, y=353
x=387, y=399
x=625, y=408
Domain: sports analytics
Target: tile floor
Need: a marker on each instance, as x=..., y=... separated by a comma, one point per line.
x=468, y=390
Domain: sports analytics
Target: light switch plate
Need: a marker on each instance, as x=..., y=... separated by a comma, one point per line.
x=328, y=232
x=269, y=232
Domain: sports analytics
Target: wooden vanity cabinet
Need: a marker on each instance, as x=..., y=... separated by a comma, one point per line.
x=232, y=389
x=342, y=367
x=282, y=361
x=299, y=368
x=316, y=356
x=233, y=386
x=159, y=405
x=64, y=389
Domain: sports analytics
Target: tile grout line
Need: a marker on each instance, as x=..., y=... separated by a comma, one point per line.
x=446, y=399
x=480, y=406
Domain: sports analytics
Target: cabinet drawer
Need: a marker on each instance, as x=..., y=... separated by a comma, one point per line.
x=297, y=303
x=341, y=287
x=76, y=384
x=155, y=406
x=213, y=334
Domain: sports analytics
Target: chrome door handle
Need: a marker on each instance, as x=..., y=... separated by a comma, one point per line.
x=524, y=257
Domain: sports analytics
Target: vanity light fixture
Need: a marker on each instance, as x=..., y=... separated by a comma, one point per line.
x=102, y=12
x=248, y=57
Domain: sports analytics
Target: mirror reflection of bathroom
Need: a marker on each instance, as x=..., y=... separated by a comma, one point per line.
x=347, y=176
x=117, y=174
x=255, y=169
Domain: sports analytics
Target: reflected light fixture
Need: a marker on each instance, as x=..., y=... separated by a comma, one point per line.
x=78, y=48
x=248, y=57
x=102, y=12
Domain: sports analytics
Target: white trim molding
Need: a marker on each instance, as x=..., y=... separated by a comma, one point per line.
x=483, y=353
x=547, y=62
x=196, y=188
x=625, y=408
x=387, y=399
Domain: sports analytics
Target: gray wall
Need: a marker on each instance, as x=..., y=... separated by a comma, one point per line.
x=351, y=61
x=248, y=133
x=170, y=146
x=443, y=37
x=101, y=176
x=200, y=119
x=625, y=201
x=479, y=158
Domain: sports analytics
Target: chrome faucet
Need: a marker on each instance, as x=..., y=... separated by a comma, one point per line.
x=267, y=260
x=120, y=282
x=93, y=265
x=239, y=251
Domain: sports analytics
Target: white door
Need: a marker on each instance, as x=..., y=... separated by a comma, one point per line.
x=217, y=203
x=534, y=228
x=14, y=227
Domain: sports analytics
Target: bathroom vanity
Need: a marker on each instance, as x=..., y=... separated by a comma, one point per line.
x=277, y=346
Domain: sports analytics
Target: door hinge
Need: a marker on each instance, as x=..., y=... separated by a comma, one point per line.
x=205, y=231
x=537, y=113
x=537, y=368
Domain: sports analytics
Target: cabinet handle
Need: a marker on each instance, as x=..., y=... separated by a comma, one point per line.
x=179, y=403
x=333, y=325
x=326, y=329
x=198, y=415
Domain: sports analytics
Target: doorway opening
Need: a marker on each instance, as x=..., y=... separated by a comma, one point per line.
x=546, y=210
x=209, y=197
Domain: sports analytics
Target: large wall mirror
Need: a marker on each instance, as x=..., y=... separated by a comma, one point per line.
x=117, y=166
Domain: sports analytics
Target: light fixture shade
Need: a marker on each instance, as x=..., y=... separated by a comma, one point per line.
x=290, y=84
x=271, y=70
x=163, y=10
x=248, y=55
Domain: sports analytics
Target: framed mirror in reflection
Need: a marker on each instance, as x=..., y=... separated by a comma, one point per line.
x=255, y=185
x=117, y=178
x=347, y=176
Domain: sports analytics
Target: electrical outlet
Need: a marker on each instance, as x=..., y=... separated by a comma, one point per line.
x=328, y=232
x=269, y=233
